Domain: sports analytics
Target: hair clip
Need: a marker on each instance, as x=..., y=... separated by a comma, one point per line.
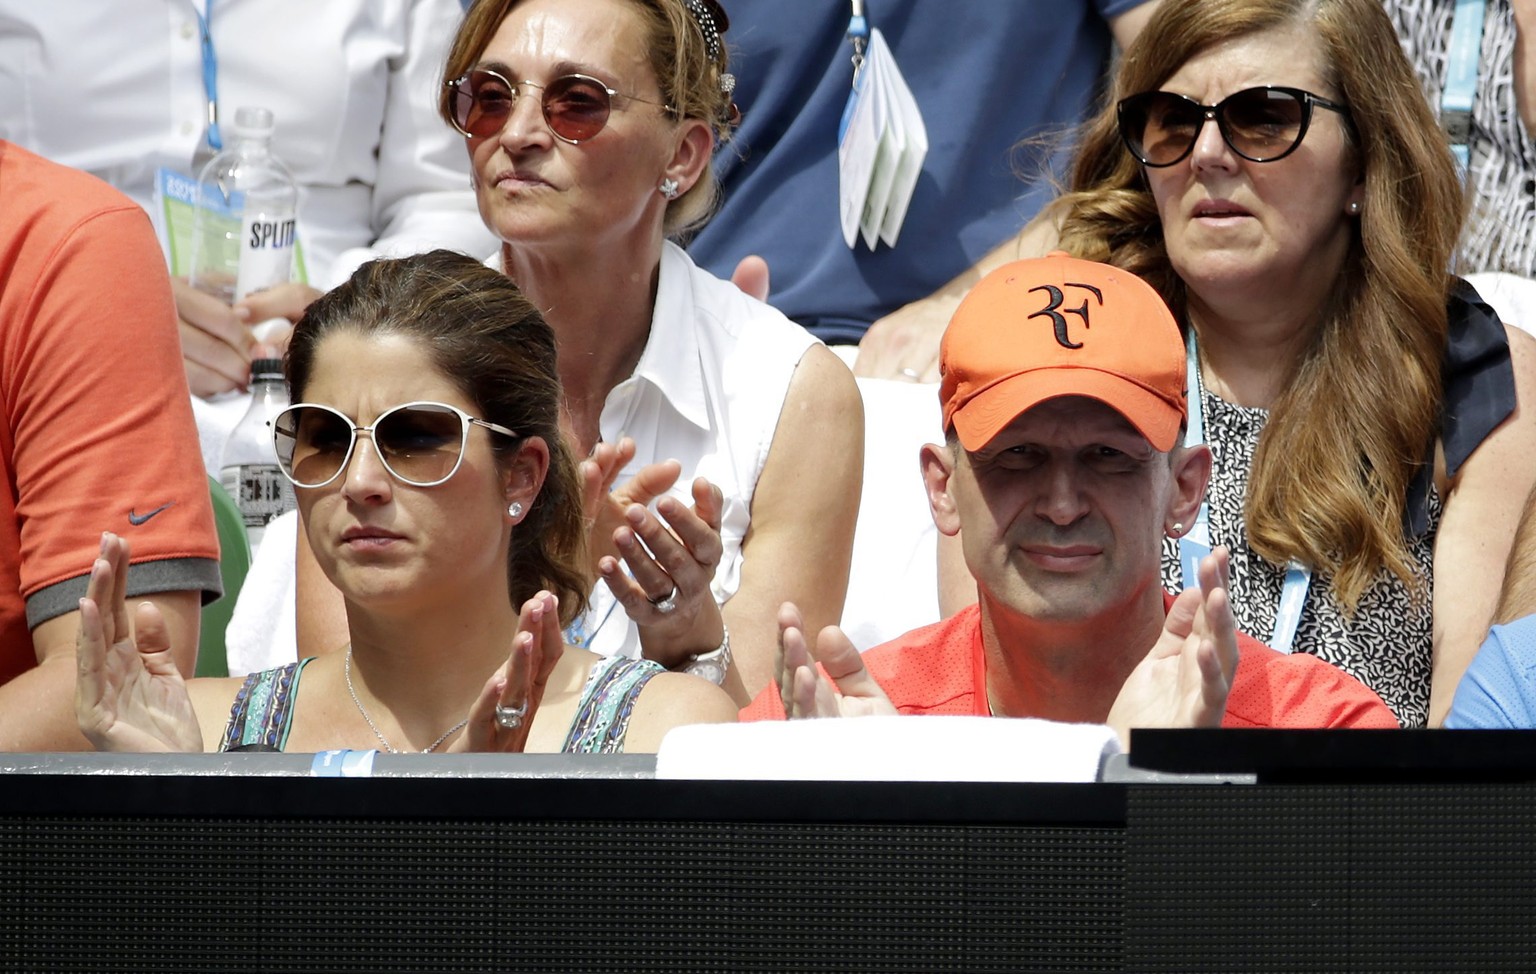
x=708, y=26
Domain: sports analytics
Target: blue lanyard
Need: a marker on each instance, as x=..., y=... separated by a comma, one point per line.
x=1461, y=63
x=577, y=633
x=1298, y=577
x=210, y=76
x=858, y=34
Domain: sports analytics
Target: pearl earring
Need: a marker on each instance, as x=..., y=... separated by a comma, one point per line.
x=669, y=188
x=515, y=509
x=1354, y=208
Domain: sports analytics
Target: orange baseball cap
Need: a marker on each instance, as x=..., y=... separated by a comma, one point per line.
x=1059, y=326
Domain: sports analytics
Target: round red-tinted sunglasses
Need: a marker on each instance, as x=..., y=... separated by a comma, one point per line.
x=576, y=106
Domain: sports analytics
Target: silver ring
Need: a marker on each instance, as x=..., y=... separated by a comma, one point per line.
x=511, y=717
x=666, y=603
x=911, y=375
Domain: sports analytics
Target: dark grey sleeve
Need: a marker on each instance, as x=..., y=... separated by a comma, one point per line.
x=145, y=578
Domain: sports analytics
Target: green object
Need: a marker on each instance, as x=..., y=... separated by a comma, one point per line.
x=234, y=562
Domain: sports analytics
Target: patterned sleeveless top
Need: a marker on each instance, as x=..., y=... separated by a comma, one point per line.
x=1385, y=644
x=263, y=709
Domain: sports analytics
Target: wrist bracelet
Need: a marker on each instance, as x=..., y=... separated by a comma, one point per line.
x=712, y=666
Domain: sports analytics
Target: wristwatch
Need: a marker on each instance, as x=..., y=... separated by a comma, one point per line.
x=712, y=665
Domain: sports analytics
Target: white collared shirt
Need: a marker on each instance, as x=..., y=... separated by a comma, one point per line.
x=707, y=392
x=116, y=89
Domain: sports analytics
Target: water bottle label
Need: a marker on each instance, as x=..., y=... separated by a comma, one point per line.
x=266, y=251
x=176, y=212
x=260, y=491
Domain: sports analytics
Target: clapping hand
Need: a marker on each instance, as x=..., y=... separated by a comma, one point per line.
x=671, y=554
x=1185, y=679
x=503, y=714
x=606, y=503
x=129, y=695
x=806, y=692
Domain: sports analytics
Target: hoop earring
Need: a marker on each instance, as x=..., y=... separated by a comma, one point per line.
x=669, y=188
x=515, y=509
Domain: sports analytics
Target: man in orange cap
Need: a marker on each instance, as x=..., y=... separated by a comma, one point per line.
x=1063, y=389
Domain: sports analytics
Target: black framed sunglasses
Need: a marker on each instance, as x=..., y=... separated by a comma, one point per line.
x=1260, y=124
x=576, y=106
x=419, y=443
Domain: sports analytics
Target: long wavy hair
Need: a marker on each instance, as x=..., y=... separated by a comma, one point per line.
x=487, y=339
x=1360, y=412
x=689, y=78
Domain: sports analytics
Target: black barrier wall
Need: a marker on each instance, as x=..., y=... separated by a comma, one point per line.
x=243, y=863
x=504, y=874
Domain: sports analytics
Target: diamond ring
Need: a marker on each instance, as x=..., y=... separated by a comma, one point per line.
x=511, y=717
x=667, y=602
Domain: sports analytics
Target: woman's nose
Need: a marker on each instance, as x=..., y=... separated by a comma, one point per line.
x=366, y=478
x=1211, y=148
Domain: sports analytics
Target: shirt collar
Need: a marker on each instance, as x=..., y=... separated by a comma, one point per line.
x=671, y=360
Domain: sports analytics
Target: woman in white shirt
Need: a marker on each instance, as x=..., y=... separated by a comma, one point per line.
x=590, y=129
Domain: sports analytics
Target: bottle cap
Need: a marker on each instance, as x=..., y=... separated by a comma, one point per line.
x=267, y=368
x=252, y=122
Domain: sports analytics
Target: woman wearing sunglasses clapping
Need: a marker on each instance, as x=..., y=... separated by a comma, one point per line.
x=590, y=129
x=1272, y=167
x=438, y=496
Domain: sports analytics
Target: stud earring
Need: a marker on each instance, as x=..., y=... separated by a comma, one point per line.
x=668, y=188
x=1178, y=528
x=1354, y=208
x=515, y=509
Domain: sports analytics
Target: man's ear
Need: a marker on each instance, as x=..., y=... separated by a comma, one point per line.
x=523, y=476
x=1191, y=473
x=938, y=466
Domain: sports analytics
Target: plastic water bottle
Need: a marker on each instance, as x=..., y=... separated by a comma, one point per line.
x=243, y=230
x=249, y=470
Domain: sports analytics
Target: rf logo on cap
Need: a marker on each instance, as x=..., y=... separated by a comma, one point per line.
x=996, y=362
x=1057, y=318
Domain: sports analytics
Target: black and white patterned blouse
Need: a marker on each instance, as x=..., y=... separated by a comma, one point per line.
x=1386, y=643
x=1501, y=230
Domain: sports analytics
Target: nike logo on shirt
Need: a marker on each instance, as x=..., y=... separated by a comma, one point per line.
x=137, y=519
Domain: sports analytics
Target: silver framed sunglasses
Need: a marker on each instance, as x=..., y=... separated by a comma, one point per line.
x=419, y=443
x=576, y=106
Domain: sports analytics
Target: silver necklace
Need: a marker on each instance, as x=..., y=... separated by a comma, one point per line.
x=347, y=669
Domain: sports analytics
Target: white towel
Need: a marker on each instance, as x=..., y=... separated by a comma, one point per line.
x=893, y=581
x=261, y=632
x=889, y=749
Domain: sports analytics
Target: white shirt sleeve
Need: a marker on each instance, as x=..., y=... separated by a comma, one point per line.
x=421, y=195
x=352, y=84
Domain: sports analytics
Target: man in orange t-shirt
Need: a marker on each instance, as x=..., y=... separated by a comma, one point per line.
x=96, y=434
x=1063, y=387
